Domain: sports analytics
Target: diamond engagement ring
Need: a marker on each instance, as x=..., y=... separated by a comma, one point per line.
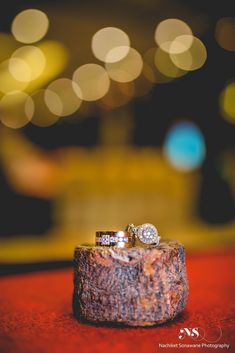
x=120, y=239
x=147, y=233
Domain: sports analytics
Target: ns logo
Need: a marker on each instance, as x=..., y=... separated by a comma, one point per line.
x=212, y=335
x=189, y=332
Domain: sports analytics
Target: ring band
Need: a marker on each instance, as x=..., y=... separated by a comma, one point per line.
x=120, y=239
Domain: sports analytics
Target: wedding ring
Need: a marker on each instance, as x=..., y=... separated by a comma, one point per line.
x=147, y=233
x=120, y=239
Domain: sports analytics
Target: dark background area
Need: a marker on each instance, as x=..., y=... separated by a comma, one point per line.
x=194, y=96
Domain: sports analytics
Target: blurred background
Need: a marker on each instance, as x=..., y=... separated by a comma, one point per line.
x=115, y=113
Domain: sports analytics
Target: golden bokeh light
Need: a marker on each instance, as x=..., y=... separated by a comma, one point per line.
x=19, y=69
x=119, y=94
x=34, y=59
x=150, y=70
x=7, y=82
x=227, y=102
x=68, y=92
x=127, y=69
x=181, y=44
x=56, y=56
x=31, y=67
x=117, y=54
x=14, y=112
x=110, y=44
x=190, y=59
x=225, y=33
x=165, y=65
x=92, y=80
x=168, y=30
x=29, y=26
x=42, y=116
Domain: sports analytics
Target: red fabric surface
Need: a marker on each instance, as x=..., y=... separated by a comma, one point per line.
x=36, y=314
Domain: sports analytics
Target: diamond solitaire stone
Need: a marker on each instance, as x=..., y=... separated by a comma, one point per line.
x=148, y=234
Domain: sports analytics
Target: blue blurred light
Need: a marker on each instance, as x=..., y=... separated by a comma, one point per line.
x=184, y=146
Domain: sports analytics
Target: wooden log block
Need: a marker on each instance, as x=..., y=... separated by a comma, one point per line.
x=138, y=286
